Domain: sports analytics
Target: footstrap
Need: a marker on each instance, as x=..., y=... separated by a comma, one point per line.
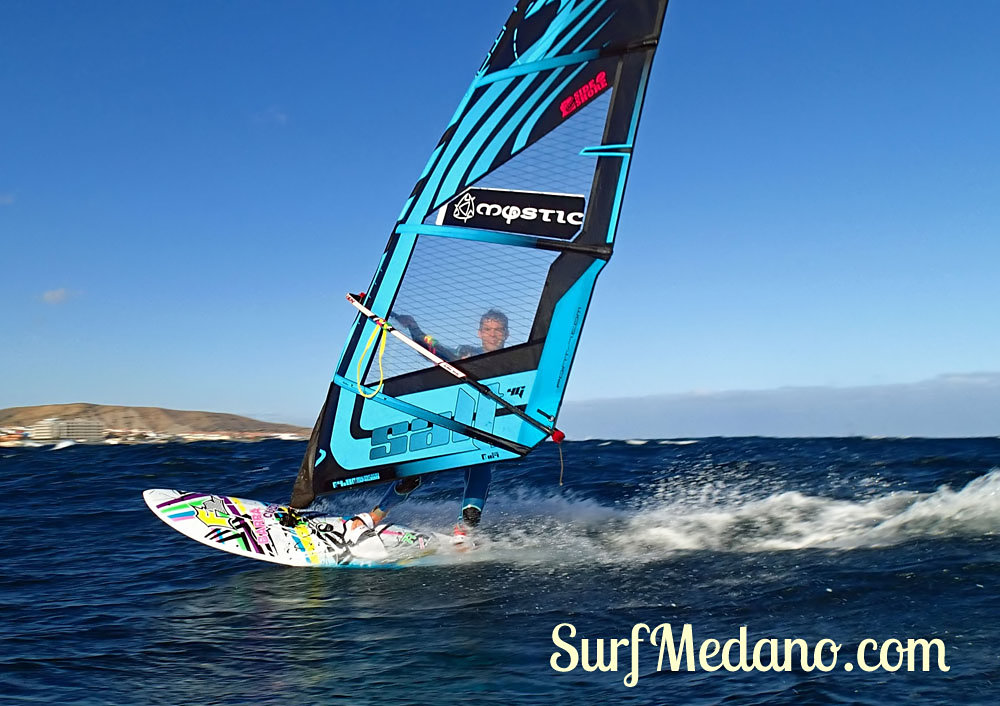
x=354, y=534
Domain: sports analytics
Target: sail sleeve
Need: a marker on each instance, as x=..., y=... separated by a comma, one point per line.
x=492, y=262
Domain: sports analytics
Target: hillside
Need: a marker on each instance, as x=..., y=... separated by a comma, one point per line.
x=164, y=421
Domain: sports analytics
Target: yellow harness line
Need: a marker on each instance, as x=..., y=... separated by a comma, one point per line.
x=380, y=326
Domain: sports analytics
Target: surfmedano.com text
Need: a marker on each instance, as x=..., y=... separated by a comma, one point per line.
x=681, y=653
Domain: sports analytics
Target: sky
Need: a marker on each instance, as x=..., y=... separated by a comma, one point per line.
x=187, y=190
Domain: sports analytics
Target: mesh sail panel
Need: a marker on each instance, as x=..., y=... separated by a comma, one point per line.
x=448, y=285
x=553, y=164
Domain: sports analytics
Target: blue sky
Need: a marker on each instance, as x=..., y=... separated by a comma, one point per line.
x=187, y=189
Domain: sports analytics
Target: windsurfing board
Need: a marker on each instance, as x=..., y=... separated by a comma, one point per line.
x=283, y=535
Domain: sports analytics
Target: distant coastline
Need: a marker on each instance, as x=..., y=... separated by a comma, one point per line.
x=96, y=423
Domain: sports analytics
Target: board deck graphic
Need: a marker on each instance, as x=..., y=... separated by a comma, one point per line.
x=282, y=535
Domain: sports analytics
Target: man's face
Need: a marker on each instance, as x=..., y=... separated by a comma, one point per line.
x=493, y=334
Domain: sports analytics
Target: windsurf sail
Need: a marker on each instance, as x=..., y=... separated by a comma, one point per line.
x=465, y=337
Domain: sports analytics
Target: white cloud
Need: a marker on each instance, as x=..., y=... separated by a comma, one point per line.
x=55, y=296
x=968, y=379
x=272, y=116
x=951, y=405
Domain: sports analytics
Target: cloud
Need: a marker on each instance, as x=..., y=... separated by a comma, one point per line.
x=272, y=116
x=6, y=199
x=55, y=296
x=955, y=405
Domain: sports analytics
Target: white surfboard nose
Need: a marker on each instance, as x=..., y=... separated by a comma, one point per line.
x=155, y=493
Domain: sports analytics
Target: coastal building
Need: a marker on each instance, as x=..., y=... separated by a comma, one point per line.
x=51, y=428
x=80, y=429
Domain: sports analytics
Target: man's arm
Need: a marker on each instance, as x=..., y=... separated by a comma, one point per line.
x=410, y=324
x=425, y=340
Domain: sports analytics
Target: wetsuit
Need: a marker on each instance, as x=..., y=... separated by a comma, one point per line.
x=477, y=478
x=477, y=487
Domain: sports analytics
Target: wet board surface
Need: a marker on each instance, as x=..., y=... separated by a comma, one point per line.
x=283, y=535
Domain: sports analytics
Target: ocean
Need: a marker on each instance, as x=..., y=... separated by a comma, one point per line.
x=852, y=541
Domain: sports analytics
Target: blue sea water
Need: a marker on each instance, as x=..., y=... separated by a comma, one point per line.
x=845, y=539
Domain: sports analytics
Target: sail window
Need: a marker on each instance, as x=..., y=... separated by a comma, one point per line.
x=448, y=287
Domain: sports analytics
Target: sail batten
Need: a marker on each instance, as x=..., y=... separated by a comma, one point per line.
x=537, y=66
x=492, y=263
x=492, y=236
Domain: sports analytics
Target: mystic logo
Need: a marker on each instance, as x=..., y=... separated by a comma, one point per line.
x=584, y=94
x=529, y=212
x=516, y=391
x=465, y=207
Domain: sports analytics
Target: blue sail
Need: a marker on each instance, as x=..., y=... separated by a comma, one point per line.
x=492, y=263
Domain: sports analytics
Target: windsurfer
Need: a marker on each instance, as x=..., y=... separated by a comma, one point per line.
x=493, y=332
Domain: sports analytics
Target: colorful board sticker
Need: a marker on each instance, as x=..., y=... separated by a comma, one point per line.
x=282, y=535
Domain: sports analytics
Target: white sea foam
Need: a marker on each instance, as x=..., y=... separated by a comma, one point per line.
x=791, y=520
x=677, y=442
x=533, y=527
